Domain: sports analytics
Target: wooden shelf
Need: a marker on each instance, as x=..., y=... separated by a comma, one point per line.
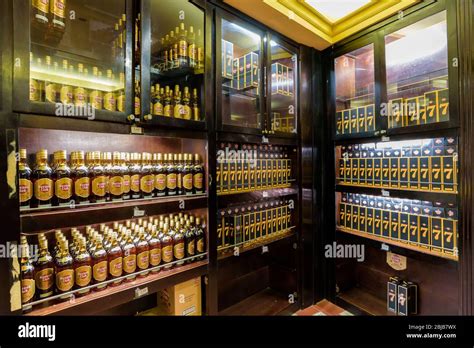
x=58, y=217
x=264, y=303
x=97, y=302
x=171, y=122
x=245, y=247
x=289, y=187
x=363, y=301
x=396, y=243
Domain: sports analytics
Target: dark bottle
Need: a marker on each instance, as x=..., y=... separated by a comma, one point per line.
x=178, y=160
x=160, y=176
x=82, y=267
x=187, y=174
x=24, y=181
x=126, y=175
x=64, y=269
x=27, y=275
x=106, y=161
x=129, y=257
x=198, y=175
x=200, y=236
x=143, y=253
x=44, y=270
x=158, y=101
x=99, y=179
x=80, y=177
x=155, y=249
x=116, y=178
x=167, y=108
x=190, y=242
x=99, y=263
x=115, y=259
x=135, y=175
x=62, y=179
x=178, y=107
x=147, y=180
x=39, y=14
x=42, y=183
x=186, y=101
x=178, y=244
x=58, y=15
x=171, y=176
x=183, y=47
x=166, y=247
x=195, y=106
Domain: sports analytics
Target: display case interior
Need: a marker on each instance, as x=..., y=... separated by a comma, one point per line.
x=355, y=91
x=416, y=59
x=77, y=54
x=241, y=58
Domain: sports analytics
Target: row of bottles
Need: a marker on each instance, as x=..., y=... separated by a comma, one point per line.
x=119, y=252
x=104, y=176
x=177, y=104
x=181, y=48
x=48, y=16
x=49, y=90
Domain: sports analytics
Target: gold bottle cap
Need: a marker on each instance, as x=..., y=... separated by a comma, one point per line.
x=80, y=155
x=95, y=71
x=42, y=154
x=180, y=157
x=198, y=221
x=23, y=154
x=23, y=240
x=197, y=158
x=117, y=155
x=48, y=60
x=175, y=157
x=138, y=156
x=80, y=67
x=60, y=155
x=165, y=157
x=185, y=157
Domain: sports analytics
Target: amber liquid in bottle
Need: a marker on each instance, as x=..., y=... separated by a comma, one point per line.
x=58, y=16
x=135, y=176
x=116, y=178
x=81, y=179
x=126, y=175
x=198, y=175
x=143, y=253
x=27, y=276
x=190, y=242
x=187, y=174
x=155, y=249
x=39, y=14
x=62, y=179
x=64, y=269
x=99, y=264
x=160, y=176
x=147, y=179
x=178, y=245
x=178, y=159
x=200, y=236
x=115, y=259
x=166, y=247
x=171, y=176
x=99, y=179
x=106, y=161
x=82, y=268
x=129, y=257
x=42, y=183
x=24, y=180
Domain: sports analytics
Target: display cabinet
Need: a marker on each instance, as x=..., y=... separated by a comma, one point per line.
x=73, y=59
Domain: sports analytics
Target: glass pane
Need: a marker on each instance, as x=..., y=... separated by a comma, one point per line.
x=355, y=96
x=240, y=76
x=177, y=59
x=417, y=73
x=283, y=94
x=77, y=54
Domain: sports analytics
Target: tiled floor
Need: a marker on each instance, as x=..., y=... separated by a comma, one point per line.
x=323, y=307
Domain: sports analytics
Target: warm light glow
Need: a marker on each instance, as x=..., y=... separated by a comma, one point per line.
x=336, y=9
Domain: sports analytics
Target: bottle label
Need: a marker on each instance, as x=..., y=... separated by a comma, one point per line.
x=109, y=101
x=65, y=280
x=51, y=92
x=155, y=256
x=99, y=185
x=66, y=95
x=58, y=7
x=192, y=51
x=186, y=112
x=188, y=181
x=82, y=187
x=116, y=185
x=178, y=111
x=45, y=279
x=183, y=48
x=158, y=108
x=43, y=189
x=34, y=90
x=130, y=263
x=179, y=251
x=27, y=290
x=171, y=181
x=115, y=267
x=198, y=181
x=96, y=99
x=126, y=183
x=143, y=260
x=79, y=96
x=160, y=182
x=41, y=5
x=167, y=110
x=135, y=183
x=26, y=190
x=167, y=253
x=99, y=271
x=83, y=275
x=200, y=245
x=146, y=183
x=190, y=248
x=63, y=188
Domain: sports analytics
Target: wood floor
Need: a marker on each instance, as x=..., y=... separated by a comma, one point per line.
x=266, y=302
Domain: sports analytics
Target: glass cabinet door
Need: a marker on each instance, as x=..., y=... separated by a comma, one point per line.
x=177, y=55
x=239, y=75
x=282, y=89
x=355, y=97
x=416, y=59
x=76, y=56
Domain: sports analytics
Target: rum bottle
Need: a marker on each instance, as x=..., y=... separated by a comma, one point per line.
x=135, y=175
x=42, y=183
x=27, y=275
x=190, y=242
x=143, y=253
x=198, y=175
x=99, y=179
x=62, y=179
x=200, y=236
x=183, y=60
x=147, y=179
x=129, y=257
x=187, y=174
x=64, y=269
x=186, y=109
x=116, y=178
x=171, y=176
x=126, y=175
x=178, y=244
x=96, y=97
x=166, y=246
x=155, y=249
x=195, y=106
x=82, y=268
x=160, y=176
x=178, y=159
x=44, y=270
x=81, y=179
x=99, y=263
x=24, y=181
x=110, y=102
x=115, y=260
x=192, y=47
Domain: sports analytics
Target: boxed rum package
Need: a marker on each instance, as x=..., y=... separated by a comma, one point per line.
x=245, y=71
x=423, y=165
x=181, y=299
x=356, y=120
x=430, y=226
x=227, y=59
x=402, y=297
x=282, y=79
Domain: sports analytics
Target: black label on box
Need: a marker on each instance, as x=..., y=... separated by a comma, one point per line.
x=386, y=223
x=395, y=225
x=392, y=299
x=404, y=227
x=377, y=171
x=377, y=222
x=385, y=172
x=339, y=122
x=394, y=172
x=354, y=124
x=436, y=233
x=436, y=173
x=414, y=228
x=362, y=219
x=449, y=173
x=424, y=173
x=424, y=231
x=346, y=122
x=369, y=220
x=362, y=119
x=449, y=236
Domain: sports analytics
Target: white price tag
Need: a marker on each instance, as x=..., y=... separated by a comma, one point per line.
x=141, y=292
